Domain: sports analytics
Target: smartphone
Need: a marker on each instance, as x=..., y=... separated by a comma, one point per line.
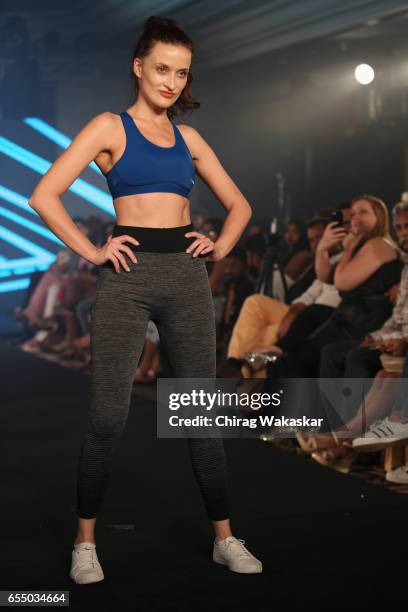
x=337, y=216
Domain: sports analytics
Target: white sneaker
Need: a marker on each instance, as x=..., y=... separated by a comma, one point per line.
x=85, y=566
x=381, y=434
x=399, y=475
x=232, y=552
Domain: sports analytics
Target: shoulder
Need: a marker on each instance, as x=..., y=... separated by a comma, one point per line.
x=103, y=128
x=193, y=140
x=187, y=130
x=104, y=120
x=381, y=247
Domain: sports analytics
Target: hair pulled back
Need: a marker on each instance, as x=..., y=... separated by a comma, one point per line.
x=161, y=29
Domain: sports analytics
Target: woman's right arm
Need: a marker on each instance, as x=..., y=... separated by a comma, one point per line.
x=94, y=138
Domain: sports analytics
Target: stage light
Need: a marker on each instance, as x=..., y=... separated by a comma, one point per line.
x=40, y=258
x=15, y=198
x=14, y=285
x=34, y=227
x=364, y=74
x=18, y=200
x=25, y=245
x=38, y=164
x=56, y=136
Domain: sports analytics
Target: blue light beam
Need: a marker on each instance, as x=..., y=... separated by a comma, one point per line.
x=38, y=164
x=54, y=135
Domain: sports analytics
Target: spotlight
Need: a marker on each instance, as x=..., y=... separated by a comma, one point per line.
x=364, y=74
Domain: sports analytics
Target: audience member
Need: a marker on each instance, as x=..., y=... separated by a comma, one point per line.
x=296, y=255
x=366, y=361
x=263, y=320
x=369, y=265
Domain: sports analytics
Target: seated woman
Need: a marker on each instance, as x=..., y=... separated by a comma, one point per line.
x=368, y=267
x=297, y=257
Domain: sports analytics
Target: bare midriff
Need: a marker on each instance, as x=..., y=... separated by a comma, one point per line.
x=152, y=210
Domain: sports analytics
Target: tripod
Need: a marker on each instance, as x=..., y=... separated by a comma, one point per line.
x=272, y=281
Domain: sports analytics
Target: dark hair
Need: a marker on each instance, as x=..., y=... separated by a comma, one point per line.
x=317, y=221
x=286, y=251
x=303, y=243
x=161, y=29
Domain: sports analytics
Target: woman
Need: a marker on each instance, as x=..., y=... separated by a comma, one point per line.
x=150, y=165
x=297, y=257
x=369, y=265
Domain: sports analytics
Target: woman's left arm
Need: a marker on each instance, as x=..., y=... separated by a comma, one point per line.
x=211, y=171
x=353, y=271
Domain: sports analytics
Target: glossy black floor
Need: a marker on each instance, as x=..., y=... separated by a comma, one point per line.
x=327, y=541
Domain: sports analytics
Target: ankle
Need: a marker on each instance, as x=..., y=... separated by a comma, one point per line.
x=80, y=539
x=398, y=417
x=219, y=539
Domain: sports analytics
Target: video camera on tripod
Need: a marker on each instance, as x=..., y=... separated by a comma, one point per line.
x=272, y=281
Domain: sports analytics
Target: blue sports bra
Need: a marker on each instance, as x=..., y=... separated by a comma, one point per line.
x=145, y=167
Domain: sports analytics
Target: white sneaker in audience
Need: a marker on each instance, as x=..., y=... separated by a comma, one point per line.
x=85, y=567
x=381, y=434
x=232, y=552
x=399, y=475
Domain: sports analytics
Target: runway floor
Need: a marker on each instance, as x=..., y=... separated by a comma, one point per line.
x=326, y=540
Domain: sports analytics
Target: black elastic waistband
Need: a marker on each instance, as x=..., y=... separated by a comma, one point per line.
x=157, y=239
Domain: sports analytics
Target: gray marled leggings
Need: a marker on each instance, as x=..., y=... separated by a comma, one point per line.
x=172, y=289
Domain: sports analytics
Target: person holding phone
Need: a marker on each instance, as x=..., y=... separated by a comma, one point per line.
x=369, y=265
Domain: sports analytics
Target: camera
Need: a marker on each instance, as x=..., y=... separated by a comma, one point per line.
x=337, y=216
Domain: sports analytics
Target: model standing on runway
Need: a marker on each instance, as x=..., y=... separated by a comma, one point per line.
x=152, y=267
